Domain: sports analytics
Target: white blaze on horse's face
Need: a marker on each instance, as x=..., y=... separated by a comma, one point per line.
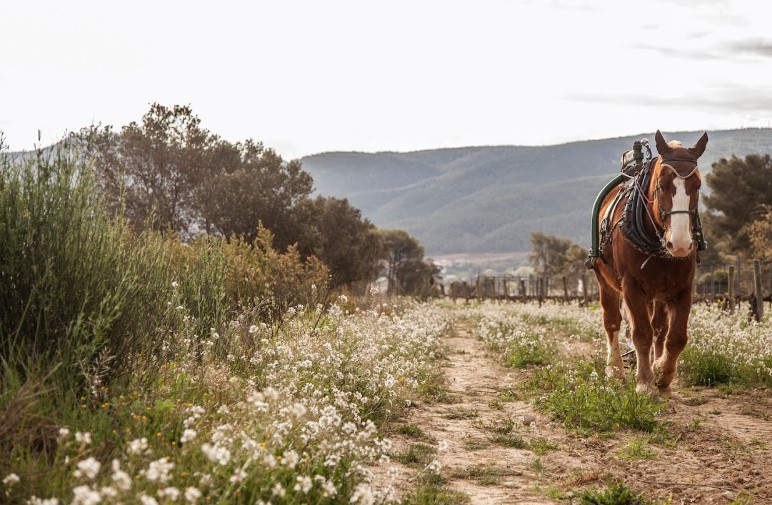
x=678, y=237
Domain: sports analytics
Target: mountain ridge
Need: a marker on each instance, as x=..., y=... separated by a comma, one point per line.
x=487, y=199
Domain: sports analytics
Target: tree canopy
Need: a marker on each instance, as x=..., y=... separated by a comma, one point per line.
x=168, y=173
x=740, y=191
x=555, y=255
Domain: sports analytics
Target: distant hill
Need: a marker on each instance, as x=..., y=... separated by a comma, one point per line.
x=488, y=199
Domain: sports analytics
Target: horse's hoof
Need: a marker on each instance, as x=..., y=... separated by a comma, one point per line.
x=665, y=391
x=646, y=389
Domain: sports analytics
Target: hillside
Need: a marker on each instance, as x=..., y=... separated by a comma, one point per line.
x=488, y=199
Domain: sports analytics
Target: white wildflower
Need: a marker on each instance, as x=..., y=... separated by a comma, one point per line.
x=138, y=446
x=238, y=476
x=192, y=494
x=83, y=438
x=88, y=468
x=252, y=329
x=120, y=478
x=147, y=500
x=434, y=467
x=290, y=459
x=278, y=490
x=40, y=501
x=158, y=471
x=64, y=432
x=216, y=453
x=304, y=484
x=84, y=495
x=108, y=492
x=170, y=492
x=187, y=435
x=11, y=479
x=363, y=495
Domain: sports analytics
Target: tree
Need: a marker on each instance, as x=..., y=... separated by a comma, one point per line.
x=760, y=235
x=406, y=270
x=248, y=184
x=739, y=190
x=339, y=237
x=171, y=173
x=554, y=255
x=150, y=171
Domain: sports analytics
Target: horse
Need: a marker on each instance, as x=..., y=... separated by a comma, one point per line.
x=648, y=261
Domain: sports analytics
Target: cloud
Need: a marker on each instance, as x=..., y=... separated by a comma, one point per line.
x=754, y=47
x=727, y=97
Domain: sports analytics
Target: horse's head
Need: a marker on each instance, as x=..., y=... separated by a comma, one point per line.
x=677, y=180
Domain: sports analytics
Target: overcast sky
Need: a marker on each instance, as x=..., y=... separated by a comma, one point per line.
x=309, y=76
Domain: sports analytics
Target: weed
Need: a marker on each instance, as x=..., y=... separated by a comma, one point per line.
x=637, y=449
x=462, y=414
x=413, y=430
x=615, y=494
x=541, y=446
x=482, y=474
x=416, y=455
x=432, y=494
x=587, y=401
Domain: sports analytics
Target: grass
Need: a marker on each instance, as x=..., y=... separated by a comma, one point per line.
x=462, y=414
x=433, y=494
x=416, y=455
x=637, y=449
x=541, y=446
x=137, y=366
x=484, y=475
x=414, y=431
x=586, y=401
x=615, y=494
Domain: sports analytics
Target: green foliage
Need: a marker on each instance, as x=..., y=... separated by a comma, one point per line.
x=584, y=399
x=406, y=270
x=739, y=189
x=433, y=494
x=615, y=494
x=73, y=283
x=346, y=243
x=555, y=255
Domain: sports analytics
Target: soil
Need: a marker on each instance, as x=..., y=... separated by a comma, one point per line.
x=720, y=452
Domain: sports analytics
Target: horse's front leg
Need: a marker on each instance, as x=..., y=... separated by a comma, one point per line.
x=612, y=322
x=675, y=340
x=659, y=324
x=638, y=311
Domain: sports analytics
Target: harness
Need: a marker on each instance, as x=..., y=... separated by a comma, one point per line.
x=634, y=216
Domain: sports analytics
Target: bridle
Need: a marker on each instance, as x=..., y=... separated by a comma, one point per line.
x=664, y=214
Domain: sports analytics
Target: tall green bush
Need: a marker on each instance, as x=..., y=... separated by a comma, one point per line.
x=74, y=284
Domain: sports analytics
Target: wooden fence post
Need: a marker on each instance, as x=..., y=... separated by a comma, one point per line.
x=757, y=290
x=585, y=294
x=565, y=288
x=731, y=289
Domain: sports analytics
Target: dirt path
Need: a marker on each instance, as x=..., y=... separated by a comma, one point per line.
x=501, y=451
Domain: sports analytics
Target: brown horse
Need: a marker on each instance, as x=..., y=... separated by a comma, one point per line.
x=648, y=262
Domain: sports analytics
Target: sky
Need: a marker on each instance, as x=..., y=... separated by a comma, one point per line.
x=311, y=76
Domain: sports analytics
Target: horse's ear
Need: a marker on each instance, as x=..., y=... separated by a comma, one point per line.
x=699, y=147
x=662, y=146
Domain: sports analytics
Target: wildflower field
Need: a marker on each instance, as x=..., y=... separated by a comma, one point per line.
x=136, y=368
